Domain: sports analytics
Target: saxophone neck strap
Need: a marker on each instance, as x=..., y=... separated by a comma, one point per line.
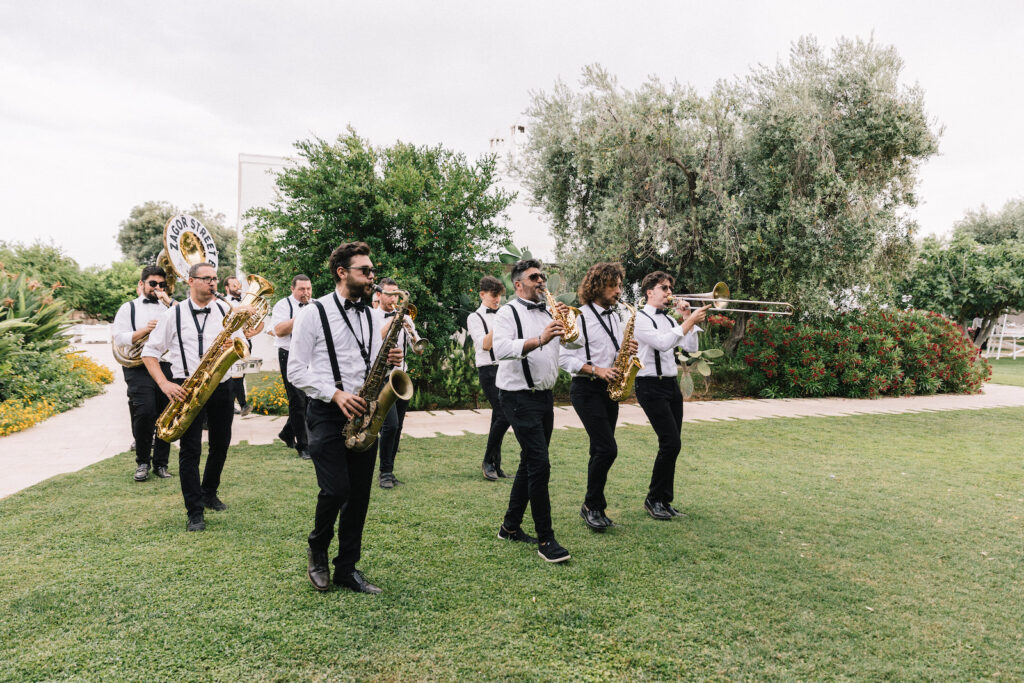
x=364, y=345
x=607, y=328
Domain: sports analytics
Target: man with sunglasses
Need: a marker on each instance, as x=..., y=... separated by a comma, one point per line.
x=282, y=319
x=657, y=384
x=334, y=343
x=184, y=333
x=526, y=342
x=134, y=320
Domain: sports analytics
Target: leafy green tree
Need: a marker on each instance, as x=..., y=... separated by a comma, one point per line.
x=976, y=273
x=789, y=184
x=47, y=264
x=428, y=215
x=107, y=288
x=142, y=233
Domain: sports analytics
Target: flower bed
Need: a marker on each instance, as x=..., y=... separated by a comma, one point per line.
x=862, y=355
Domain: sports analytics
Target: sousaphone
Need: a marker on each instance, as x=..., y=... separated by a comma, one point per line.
x=186, y=243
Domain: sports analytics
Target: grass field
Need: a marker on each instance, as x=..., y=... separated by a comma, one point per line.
x=1007, y=371
x=856, y=547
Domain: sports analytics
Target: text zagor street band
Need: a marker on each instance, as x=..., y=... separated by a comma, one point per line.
x=342, y=363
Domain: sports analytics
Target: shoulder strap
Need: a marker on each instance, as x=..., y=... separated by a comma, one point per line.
x=181, y=343
x=291, y=310
x=526, y=363
x=329, y=340
x=657, y=354
x=484, y=323
x=220, y=308
x=586, y=337
x=132, y=304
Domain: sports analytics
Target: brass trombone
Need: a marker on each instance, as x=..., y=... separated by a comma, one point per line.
x=719, y=298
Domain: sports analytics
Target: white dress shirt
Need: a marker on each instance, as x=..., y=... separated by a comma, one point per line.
x=283, y=313
x=145, y=310
x=602, y=350
x=478, y=324
x=658, y=331
x=164, y=338
x=508, y=347
x=403, y=337
x=309, y=365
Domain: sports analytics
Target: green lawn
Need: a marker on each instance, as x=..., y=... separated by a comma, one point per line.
x=857, y=547
x=1007, y=371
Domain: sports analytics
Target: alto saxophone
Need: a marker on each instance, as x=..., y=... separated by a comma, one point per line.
x=572, y=331
x=626, y=363
x=215, y=363
x=380, y=389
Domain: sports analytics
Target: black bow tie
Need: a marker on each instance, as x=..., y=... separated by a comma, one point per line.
x=490, y=310
x=358, y=305
x=150, y=301
x=236, y=298
x=392, y=314
x=536, y=307
x=607, y=312
x=197, y=311
x=305, y=304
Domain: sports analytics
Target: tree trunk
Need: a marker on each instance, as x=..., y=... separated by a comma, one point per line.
x=986, y=331
x=736, y=334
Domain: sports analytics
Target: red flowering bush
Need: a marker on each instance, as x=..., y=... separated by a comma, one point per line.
x=862, y=355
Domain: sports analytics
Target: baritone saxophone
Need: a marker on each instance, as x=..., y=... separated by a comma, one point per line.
x=216, y=362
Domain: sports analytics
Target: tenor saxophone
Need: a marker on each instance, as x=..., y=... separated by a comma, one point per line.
x=626, y=363
x=572, y=331
x=215, y=363
x=380, y=389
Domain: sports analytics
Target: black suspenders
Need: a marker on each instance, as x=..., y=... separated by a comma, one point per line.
x=484, y=322
x=526, y=363
x=132, y=304
x=329, y=340
x=657, y=355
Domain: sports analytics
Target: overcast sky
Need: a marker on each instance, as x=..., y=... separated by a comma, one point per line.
x=104, y=105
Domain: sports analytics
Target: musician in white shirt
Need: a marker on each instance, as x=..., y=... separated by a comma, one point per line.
x=657, y=384
x=480, y=325
x=184, y=333
x=593, y=368
x=334, y=343
x=282, y=318
x=526, y=342
x=391, y=430
x=134, y=320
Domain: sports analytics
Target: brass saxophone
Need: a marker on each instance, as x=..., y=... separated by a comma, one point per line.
x=215, y=363
x=572, y=331
x=380, y=389
x=626, y=363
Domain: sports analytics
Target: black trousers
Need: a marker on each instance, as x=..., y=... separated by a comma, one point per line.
x=662, y=402
x=391, y=434
x=599, y=413
x=532, y=416
x=499, y=423
x=238, y=390
x=296, y=426
x=218, y=413
x=345, y=481
x=145, y=403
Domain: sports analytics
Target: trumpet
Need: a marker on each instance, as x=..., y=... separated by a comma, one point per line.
x=418, y=343
x=719, y=298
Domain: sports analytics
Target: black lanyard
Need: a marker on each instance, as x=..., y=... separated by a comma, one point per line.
x=199, y=330
x=364, y=351
x=607, y=328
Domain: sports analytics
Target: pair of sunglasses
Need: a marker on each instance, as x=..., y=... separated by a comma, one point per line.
x=154, y=283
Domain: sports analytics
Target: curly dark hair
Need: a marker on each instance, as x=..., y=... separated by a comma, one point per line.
x=599, y=277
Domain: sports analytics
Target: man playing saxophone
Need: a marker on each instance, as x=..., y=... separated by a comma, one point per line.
x=593, y=368
x=134, y=321
x=184, y=333
x=334, y=343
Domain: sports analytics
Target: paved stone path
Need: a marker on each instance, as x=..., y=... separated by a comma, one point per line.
x=99, y=429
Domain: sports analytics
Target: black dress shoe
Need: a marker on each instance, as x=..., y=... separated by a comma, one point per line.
x=672, y=511
x=288, y=439
x=656, y=509
x=593, y=518
x=304, y=454
x=142, y=472
x=607, y=522
x=319, y=571
x=162, y=472
x=386, y=480
x=502, y=475
x=354, y=580
x=196, y=523
x=517, y=535
x=214, y=503
x=490, y=474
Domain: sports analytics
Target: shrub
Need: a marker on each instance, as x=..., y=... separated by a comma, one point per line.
x=862, y=355
x=89, y=369
x=270, y=398
x=17, y=414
